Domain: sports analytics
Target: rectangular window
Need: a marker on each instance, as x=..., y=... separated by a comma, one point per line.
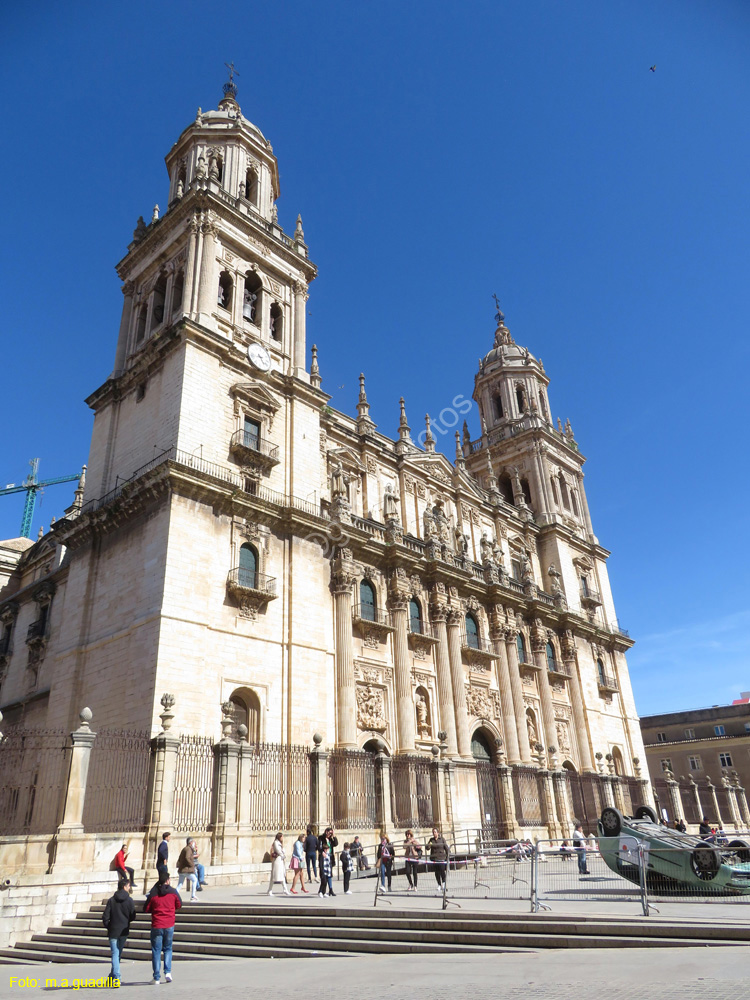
x=661, y=737
x=585, y=586
x=516, y=567
x=666, y=764
x=720, y=731
x=689, y=734
x=695, y=763
x=251, y=487
x=252, y=433
x=725, y=759
x=747, y=727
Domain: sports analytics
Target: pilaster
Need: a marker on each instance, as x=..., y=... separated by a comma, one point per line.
x=439, y=614
x=343, y=575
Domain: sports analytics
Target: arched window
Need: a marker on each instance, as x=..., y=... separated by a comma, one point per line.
x=252, y=299
x=248, y=574
x=157, y=308
x=480, y=746
x=140, y=327
x=521, y=646
x=526, y=491
x=600, y=672
x=472, y=632
x=367, y=601
x=415, y=617
x=277, y=321
x=220, y=168
x=499, y=413
x=251, y=186
x=521, y=398
x=177, y=290
x=618, y=761
x=224, y=297
x=551, y=662
x=506, y=487
x=246, y=712
x=543, y=404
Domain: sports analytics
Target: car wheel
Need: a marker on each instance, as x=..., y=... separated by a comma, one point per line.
x=741, y=848
x=611, y=821
x=646, y=812
x=705, y=861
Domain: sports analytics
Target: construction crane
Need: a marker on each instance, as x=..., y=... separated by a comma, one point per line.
x=31, y=486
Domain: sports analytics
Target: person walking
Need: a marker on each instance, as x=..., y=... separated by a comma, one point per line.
x=385, y=856
x=119, y=914
x=186, y=870
x=162, y=855
x=119, y=864
x=200, y=870
x=311, y=854
x=297, y=864
x=412, y=855
x=162, y=906
x=326, y=873
x=278, y=868
x=438, y=849
x=579, y=846
x=346, y=868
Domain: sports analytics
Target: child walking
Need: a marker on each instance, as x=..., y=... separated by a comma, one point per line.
x=326, y=879
x=346, y=868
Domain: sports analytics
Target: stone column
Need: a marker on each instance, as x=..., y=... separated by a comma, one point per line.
x=161, y=780
x=68, y=846
x=405, y=718
x=123, y=337
x=207, y=282
x=458, y=679
x=717, y=811
x=584, y=505
x=190, y=288
x=438, y=614
x=606, y=783
x=568, y=645
x=538, y=646
x=318, y=784
x=505, y=784
x=742, y=803
x=519, y=707
x=300, y=349
x=506, y=696
x=383, y=811
x=732, y=800
x=343, y=575
x=547, y=795
x=440, y=790
x=246, y=774
x=618, y=794
x=224, y=794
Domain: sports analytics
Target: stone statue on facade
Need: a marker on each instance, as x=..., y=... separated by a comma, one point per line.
x=248, y=306
x=390, y=504
x=533, y=736
x=485, y=546
x=423, y=722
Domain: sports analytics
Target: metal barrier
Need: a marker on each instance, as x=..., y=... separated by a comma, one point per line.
x=564, y=872
x=425, y=879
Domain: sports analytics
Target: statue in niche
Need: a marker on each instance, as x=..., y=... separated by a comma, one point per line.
x=423, y=722
x=440, y=521
x=531, y=727
x=462, y=544
x=428, y=524
x=248, y=306
x=497, y=552
x=554, y=575
x=526, y=572
x=562, y=737
x=390, y=504
x=339, y=482
x=486, y=548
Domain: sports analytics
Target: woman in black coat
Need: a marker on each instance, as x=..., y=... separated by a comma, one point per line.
x=328, y=840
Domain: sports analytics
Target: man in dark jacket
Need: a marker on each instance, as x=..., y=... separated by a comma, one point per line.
x=119, y=913
x=162, y=905
x=162, y=854
x=311, y=853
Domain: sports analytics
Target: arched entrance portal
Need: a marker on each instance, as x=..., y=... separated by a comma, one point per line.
x=490, y=801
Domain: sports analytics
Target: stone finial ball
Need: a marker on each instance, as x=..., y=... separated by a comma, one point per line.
x=86, y=715
x=378, y=746
x=435, y=751
x=242, y=731
x=317, y=739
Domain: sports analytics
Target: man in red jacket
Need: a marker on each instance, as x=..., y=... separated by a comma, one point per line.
x=162, y=905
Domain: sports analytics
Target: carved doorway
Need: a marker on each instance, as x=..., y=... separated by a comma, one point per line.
x=490, y=803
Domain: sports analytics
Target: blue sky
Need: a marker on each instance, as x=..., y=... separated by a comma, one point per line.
x=438, y=153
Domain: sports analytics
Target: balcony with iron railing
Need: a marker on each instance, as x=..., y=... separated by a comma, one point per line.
x=37, y=631
x=247, y=581
x=421, y=633
x=557, y=669
x=253, y=449
x=476, y=649
x=590, y=598
x=607, y=683
x=371, y=622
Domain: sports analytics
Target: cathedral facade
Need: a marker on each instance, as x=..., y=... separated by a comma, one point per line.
x=240, y=543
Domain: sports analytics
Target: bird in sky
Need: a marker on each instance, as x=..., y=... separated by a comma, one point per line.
x=653, y=68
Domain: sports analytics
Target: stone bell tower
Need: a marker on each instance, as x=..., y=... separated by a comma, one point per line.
x=214, y=274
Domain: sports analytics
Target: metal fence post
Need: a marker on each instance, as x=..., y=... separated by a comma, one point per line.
x=644, y=887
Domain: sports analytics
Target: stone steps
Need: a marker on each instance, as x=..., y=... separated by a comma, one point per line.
x=217, y=931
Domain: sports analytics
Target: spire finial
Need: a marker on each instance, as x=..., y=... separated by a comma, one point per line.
x=364, y=422
x=460, y=461
x=502, y=333
x=499, y=314
x=429, y=440
x=404, y=442
x=298, y=231
x=315, y=378
x=229, y=101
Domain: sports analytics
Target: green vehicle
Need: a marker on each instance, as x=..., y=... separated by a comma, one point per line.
x=675, y=863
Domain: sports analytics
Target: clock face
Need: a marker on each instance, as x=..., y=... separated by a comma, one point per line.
x=259, y=356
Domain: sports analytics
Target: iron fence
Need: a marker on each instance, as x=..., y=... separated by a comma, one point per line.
x=194, y=776
x=587, y=799
x=279, y=786
x=526, y=796
x=632, y=794
x=33, y=776
x=351, y=793
x=411, y=791
x=117, y=783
